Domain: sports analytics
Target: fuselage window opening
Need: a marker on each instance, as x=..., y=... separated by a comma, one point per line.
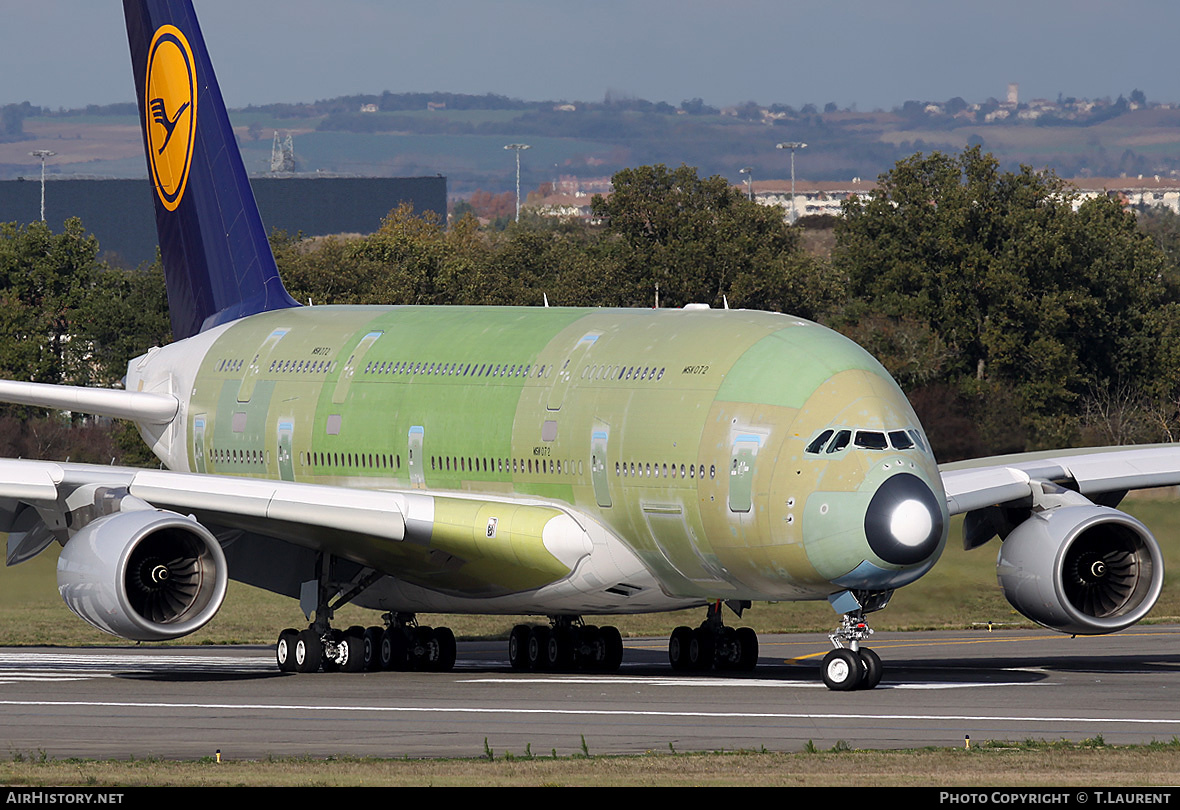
x=843, y=437
x=871, y=440
x=917, y=437
x=819, y=441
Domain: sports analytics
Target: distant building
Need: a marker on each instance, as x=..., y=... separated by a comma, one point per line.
x=812, y=198
x=120, y=212
x=1134, y=192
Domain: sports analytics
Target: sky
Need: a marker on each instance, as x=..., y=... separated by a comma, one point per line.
x=869, y=53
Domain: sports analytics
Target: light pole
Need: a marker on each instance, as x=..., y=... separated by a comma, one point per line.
x=517, y=148
x=42, y=153
x=792, y=145
x=748, y=171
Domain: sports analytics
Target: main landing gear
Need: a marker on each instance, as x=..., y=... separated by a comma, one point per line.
x=713, y=646
x=400, y=645
x=853, y=667
x=566, y=644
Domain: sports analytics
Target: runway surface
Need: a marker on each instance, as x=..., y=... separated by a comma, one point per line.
x=938, y=687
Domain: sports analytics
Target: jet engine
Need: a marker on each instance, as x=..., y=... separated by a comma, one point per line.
x=144, y=575
x=1081, y=569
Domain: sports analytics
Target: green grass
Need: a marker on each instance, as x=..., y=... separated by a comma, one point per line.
x=1090, y=763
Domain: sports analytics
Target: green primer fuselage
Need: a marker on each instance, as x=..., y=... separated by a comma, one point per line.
x=682, y=431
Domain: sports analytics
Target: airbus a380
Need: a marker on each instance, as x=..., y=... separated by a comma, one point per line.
x=562, y=463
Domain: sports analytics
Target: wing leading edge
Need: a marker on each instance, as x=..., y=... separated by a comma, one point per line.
x=1095, y=471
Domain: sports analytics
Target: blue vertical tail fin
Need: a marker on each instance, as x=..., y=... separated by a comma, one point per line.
x=217, y=260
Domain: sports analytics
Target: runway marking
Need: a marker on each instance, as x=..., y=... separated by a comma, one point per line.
x=475, y=710
x=152, y=660
x=51, y=667
x=655, y=680
x=48, y=677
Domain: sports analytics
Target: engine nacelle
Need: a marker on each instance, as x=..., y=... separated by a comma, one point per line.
x=145, y=575
x=1081, y=569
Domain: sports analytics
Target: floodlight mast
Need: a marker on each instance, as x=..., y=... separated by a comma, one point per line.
x=43, y=154
x=792, y=145
x=517, y=148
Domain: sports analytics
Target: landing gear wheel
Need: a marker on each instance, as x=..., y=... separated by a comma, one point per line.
x=538, y=648
x=285, y=650
x=424, y=651
x=371, y=648
x=872, y=668
x=394, y=649
x=700, y=650
x=678, y=648
x=518, y=647
x=309, y=651
x=589, y=648
x=842, y=670
x=444, y=660
x=559, y=651
x=353, y=648
x=612, y=641
x=747, y=639
x=726, y=649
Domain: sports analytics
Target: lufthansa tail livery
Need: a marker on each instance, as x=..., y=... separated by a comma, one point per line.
x=562, y=463
x=212, y=241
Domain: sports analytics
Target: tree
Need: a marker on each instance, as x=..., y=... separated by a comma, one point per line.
x=1029, y=294
x=701, y=240
x=66, y=317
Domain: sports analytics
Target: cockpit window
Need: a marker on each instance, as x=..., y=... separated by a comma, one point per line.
x=819, y=441
x=840, y=442
x=871, y=440
x=917, y=437
x=835, y=440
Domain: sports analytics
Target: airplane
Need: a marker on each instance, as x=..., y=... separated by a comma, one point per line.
x=556, y=462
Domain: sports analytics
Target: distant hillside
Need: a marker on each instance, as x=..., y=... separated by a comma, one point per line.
x=462, y=137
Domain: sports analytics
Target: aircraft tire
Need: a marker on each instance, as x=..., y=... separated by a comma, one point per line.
x=842, y=670
x=371, y=648
x=748, y=641
x=612, y=643
x=678, y=648
x=309, y=652
x=444, y=660
x=518, y=647
x=701, y=650
x=353, y=645
x=285, y=650
x=538, y=648
x=393, y=650
x=872, y=668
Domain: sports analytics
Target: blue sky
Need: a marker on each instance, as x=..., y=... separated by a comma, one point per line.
x=872, y=53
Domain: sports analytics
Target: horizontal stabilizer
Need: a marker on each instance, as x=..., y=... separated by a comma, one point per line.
x=138, y=406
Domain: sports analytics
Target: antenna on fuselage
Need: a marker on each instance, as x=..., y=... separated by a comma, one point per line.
x=546, y=299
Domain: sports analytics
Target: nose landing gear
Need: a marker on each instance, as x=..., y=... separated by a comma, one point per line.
x=851, y=667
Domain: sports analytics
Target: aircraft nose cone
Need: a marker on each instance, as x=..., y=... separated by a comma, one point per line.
x=903, y=522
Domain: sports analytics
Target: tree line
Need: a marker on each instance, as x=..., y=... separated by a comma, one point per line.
x=1014, y=316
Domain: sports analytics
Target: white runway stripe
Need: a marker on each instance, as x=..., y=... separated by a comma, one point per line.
x=567, y=712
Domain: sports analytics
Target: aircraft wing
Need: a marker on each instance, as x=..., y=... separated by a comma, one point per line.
x=270, y=534
x=979, y=483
